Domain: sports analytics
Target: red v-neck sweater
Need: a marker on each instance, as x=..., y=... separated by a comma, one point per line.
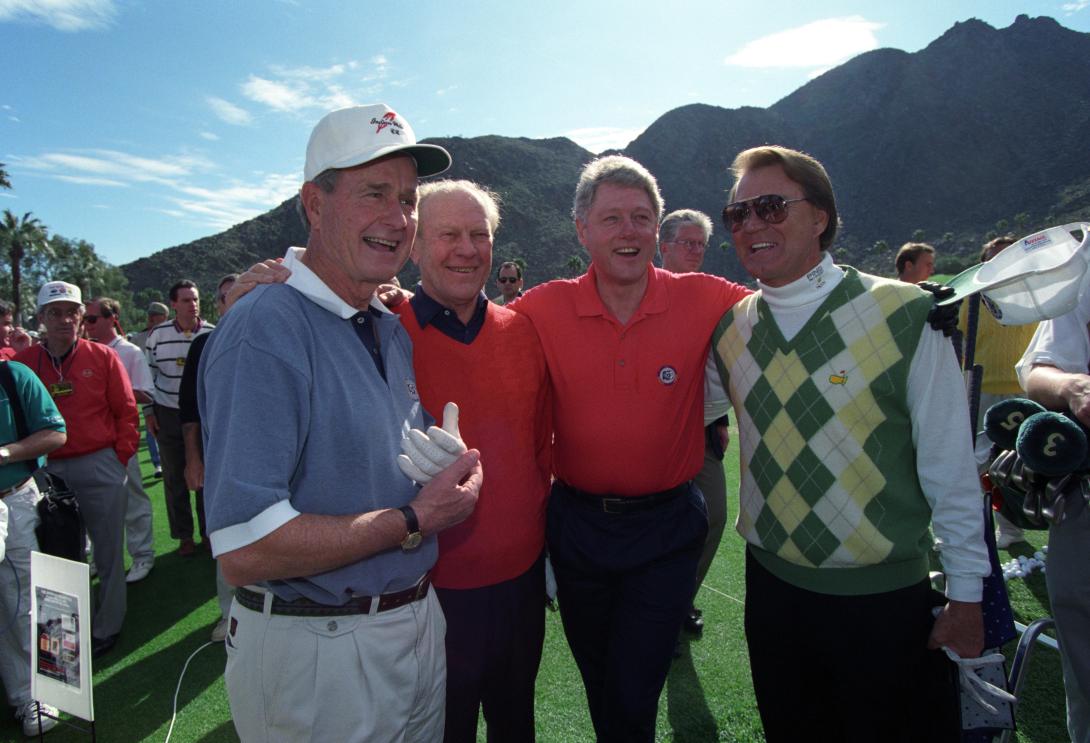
x=501, y=386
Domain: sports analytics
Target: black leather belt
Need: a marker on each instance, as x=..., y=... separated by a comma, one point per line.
x=629, y=503
x=255, y=601
x=17, y=486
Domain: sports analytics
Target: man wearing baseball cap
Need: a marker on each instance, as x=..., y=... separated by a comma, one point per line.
x=157, y=313
x=306, y=391
x=92, y=391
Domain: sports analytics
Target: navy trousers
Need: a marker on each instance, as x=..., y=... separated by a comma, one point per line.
x=624, y=581
x=494, y=639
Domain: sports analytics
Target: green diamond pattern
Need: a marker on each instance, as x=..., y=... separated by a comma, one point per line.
x=809, y=476
x=808, y=409
x=814, y=539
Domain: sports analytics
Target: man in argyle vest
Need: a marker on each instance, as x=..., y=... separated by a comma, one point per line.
x=854, y=440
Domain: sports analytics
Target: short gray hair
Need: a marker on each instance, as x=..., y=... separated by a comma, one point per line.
x=488, y=200
x=620, y=171
x=327, y=181
x=674, y=221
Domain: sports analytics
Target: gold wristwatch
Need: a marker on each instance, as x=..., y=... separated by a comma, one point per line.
x=413, y=539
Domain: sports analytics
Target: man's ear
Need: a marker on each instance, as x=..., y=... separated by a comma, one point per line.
x=311, y=194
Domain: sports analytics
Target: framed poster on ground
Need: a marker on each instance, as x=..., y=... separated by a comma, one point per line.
x=60, y=606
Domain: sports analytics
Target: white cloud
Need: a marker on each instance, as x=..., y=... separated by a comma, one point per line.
x=599, y=138
x=821, y=43
x=189, y=186
x=16, y=119
x=86, y=180
x=226, y=206
x=1075, y=7
x=228, y=111
x=209, y=136
x=63, y=15
x=278, y=95
x=298, y=89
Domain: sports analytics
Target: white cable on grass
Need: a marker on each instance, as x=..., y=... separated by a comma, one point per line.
x=174, y=713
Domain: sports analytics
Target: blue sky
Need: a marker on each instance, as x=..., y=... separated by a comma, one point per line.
x=142, y=124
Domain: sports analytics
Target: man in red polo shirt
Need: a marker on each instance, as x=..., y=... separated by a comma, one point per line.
x=91, y=389
x=626, y=345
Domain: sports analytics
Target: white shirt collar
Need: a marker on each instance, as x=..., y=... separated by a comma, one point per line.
x=307, y=283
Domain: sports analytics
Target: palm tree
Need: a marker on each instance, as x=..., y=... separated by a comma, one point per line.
x=20, y=235
x=5, y=182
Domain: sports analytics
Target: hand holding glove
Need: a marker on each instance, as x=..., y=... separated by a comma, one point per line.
x=428, y=454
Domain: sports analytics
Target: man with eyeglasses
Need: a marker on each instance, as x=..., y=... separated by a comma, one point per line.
x=101, y=324
x=167, y=349
x=91, y=389
x=854, y=440
x=509, y=277
x=683, y=238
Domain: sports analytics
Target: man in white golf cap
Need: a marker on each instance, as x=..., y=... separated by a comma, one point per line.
x=91, y=389
x=306, y=391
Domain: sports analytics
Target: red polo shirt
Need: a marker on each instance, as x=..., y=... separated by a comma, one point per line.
x=628, y=399
x=92, y=392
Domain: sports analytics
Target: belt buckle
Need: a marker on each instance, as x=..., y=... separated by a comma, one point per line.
x=421, y=589
x=611, y=505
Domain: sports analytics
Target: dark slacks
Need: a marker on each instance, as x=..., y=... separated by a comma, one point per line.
x=172, y=454
x=624, y=583
x=494, y=639
x=846, y=668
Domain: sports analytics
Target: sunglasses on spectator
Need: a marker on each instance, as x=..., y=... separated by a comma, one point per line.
x=90, y=319
x=508, y=279
x=693, y=246
x=771, y=208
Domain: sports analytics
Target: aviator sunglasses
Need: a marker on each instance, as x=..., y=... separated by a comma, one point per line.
x=772, y=208
x=507, y=279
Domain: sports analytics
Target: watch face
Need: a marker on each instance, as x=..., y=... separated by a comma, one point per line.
x=412, y=541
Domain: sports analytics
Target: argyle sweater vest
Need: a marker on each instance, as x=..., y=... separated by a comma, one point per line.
x=830, y=500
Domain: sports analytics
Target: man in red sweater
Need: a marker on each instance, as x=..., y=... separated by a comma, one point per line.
x=490, y=574
x=91, y=389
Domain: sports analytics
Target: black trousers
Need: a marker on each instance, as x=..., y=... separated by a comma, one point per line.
x=846, y=668
x=494, y=639
x=624, y=583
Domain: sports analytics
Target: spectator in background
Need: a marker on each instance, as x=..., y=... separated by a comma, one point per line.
x=683, y=238
x=509, y=278
x=101, y=324
x=22, y=453
x=92, y=391
x=167, y=348
x=998, y=349
x=157, y=313
x=915, y=262
x=190, y=415
x=7, y=328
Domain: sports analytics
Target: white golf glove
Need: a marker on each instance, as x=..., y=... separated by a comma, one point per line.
x=428, y=454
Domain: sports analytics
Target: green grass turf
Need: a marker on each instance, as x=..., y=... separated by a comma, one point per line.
x=708, y=696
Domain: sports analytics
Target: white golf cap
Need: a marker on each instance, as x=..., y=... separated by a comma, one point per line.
x=1036, y=278
x=357, y=135
x=59, y=291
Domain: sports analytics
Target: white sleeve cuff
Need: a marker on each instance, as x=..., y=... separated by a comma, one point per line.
x=236, y=536
x=964, y=588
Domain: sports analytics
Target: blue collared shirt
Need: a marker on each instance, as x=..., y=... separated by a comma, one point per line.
x=445, y=320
